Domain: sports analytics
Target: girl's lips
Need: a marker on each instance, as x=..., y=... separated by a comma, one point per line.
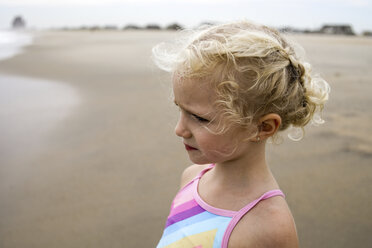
x=189, y=148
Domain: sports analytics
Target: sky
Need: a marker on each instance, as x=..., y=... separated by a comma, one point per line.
x=305, y=14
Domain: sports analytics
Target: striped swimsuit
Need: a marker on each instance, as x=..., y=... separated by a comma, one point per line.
x=192, y=223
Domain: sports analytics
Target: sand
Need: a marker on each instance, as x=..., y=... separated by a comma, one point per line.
x=103, y=173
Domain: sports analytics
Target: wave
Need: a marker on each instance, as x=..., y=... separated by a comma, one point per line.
x=12, y=42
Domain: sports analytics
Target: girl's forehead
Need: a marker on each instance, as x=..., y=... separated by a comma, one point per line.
x=193, y=86
x=193, y=92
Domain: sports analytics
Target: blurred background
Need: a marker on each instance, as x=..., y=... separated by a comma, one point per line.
x=88, y=157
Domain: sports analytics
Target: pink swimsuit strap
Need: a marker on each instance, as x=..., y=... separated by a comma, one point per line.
x=204, y=171
x=245, y=210
x=236, y=215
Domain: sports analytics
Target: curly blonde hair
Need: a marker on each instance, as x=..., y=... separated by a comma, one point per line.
x=254, y=70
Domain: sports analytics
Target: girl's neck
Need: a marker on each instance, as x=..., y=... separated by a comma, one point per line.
x=248, y=172
x=232, y=185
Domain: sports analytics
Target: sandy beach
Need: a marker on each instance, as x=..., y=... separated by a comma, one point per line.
x=100, y=168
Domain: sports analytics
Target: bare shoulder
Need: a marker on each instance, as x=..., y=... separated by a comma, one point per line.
x=269, y=224
x=190, y=172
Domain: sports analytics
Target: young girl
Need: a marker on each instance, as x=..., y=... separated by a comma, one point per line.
x=236, y=86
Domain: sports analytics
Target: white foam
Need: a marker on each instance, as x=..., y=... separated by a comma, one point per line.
x=12, y=42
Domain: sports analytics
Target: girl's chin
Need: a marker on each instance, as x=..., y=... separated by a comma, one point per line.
x=194, y=158
x=199, y=160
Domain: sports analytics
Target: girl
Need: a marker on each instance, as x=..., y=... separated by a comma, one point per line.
x=236, y=85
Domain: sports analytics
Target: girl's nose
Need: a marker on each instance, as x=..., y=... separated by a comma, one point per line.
x=181, y=130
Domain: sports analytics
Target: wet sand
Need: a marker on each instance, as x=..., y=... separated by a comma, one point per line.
x=104, y=174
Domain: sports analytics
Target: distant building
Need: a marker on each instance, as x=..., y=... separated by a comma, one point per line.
x=290, y=30
x=337, y=29
x=18, y=22
x=132, y=27
x=153, y=27
x=174, y=26
x=110, y=27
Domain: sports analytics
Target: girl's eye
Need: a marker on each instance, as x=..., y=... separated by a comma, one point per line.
x=200, y=119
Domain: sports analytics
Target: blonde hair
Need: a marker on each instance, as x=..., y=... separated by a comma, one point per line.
x=254, y=69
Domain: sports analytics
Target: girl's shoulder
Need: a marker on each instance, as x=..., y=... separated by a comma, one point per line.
x=269, y=224
x=191, y=172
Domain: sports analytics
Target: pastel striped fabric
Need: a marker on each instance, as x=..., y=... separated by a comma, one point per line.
x=192, y=223
x=189, y=225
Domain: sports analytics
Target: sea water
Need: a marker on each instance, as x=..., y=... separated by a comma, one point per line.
x=29, y=107
x=12, y=42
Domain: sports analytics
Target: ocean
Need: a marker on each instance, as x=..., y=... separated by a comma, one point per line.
x=11, y=42
x=29, y=107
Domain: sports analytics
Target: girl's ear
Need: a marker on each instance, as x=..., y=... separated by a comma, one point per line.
x=268, y=125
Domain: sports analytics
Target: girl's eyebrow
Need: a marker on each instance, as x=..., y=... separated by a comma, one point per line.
x=182, y=107
x=188, y=111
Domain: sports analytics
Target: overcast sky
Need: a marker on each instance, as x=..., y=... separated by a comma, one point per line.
x=278, y=13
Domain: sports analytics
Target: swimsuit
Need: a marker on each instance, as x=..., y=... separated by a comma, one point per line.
x=192, y=223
